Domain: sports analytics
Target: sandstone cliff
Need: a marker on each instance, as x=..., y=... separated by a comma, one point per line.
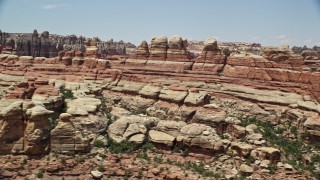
x=248, y=111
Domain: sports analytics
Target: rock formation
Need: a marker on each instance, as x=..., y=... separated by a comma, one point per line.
x=177, y=49
x=47, y=45
x=159, y=47
x=142, y=51
x=241, y=114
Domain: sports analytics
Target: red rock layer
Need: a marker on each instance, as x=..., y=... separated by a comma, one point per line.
x=277, y=69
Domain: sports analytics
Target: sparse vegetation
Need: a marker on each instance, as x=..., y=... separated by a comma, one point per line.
x=291, y=149
x=128, y=147
x=98, y=144
x=272, y=168
x=101, y=168
x=127, y=174
x=66, y=93
x=140, y=174
x=123, y=147
x=80, y=159
x=250, y=160
x=40, y=173
x=53, y=122
x=143, y=155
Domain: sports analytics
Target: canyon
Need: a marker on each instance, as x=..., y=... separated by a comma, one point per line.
x=162, y=111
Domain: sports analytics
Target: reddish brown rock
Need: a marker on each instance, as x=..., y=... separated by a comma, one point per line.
x=142, y=51
x=177, y=49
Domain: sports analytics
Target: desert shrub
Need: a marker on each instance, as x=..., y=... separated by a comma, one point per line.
x=66, y=93
x=127, y=174
x=40, y=173
x=147, y=146
x=157, y=159
x=143, y=155
x=294, y=130
x=101, y=168
x=123, y=147
x=98, y=144
x=53, y=122
x=250, y=160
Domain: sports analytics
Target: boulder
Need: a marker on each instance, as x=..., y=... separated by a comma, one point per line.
x=200, y=138
x=82, y=106
x=266, y=153
x=170, y=127
x=161, y=138
x=150, y=91
x=213, y=118
x=312, y=125
x=96, y=174
x=197, y=99
x=126, y=127
x=242, y=149
x=245, y=169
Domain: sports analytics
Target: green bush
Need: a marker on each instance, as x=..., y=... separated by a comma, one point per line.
x=98, y=144
x=101, y=168
x=143, y=155
x=140, y=174
x=66, y=93
x=123, y=147
x=250, y=160
x=127, y=174
x=53, y=122
x=147, y=146
x=40, y=173
x=294, y=130
x=272, y=168
x=158, y=159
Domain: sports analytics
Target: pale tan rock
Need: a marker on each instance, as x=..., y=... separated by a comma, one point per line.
x=127, y=126
x=158, y=49
x=198, y=135
x=173, y=96
x=197, y=99
x=266, y=153
x=138, y=138
x=237, y=131
x=82, y=106
x=246, y=169
x=170, y=127
x=11, y=126
x=241, y=148
x=150, y=91
x=208, y=117
x=161, y=138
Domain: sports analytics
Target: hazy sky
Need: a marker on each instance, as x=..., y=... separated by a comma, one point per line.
x=270, y=22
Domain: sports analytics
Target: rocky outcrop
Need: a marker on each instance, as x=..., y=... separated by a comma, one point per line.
x=310, y=55
x=131, y=128
x=159, y=47
x=211, y=58
x=142, y=51
x=47, y=45
x=65, y=138
x=177, y=49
